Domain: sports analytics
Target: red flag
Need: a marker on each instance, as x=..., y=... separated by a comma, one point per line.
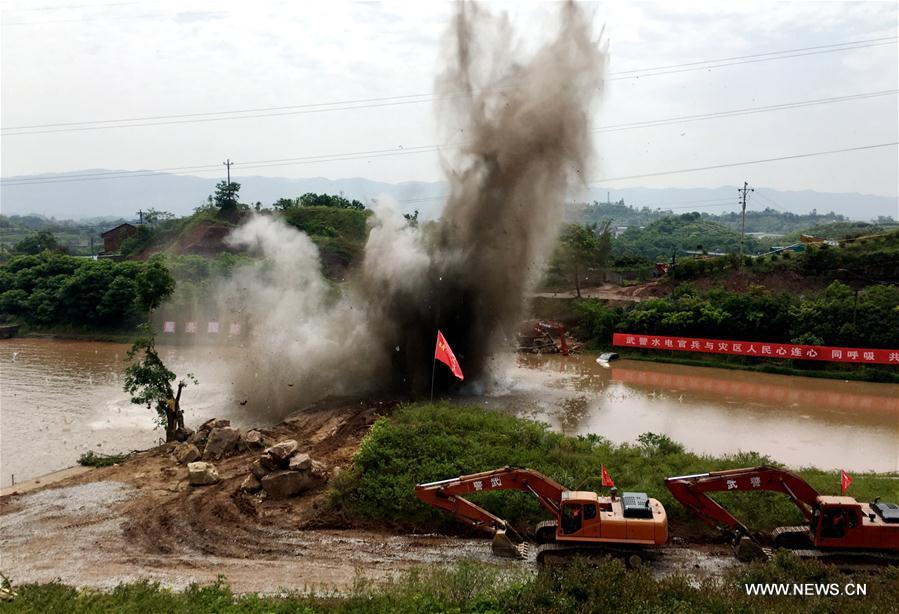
x=606, y=478
x=444, y=354
x=845, y=482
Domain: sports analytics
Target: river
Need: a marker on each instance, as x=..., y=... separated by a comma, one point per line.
x=60, y=398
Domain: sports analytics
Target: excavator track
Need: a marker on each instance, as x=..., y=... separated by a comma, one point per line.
x=633, y=557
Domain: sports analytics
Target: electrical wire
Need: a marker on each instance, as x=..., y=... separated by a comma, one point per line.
x=365, y=103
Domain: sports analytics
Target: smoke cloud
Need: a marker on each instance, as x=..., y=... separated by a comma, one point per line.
x=521, y=126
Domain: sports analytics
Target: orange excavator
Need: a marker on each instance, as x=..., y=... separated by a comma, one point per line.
x=837, y=529
x=535, y=338
x=630, y=526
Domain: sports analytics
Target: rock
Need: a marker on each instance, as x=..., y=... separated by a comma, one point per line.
x=251, y=484
x=319, y=470
x=199, y=438
x=182, y=434
x=200, y=473
x=214, y=423
x=285, y=483
x=187, y=453
x=253, y=440
x=300, y=462
x=283, y=450
x=222, y=441
x=258, y=469
x=268, y=462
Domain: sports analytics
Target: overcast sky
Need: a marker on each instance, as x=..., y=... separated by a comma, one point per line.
x=96, y=60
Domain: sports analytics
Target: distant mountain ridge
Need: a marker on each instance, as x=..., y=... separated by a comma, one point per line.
x=180, y=194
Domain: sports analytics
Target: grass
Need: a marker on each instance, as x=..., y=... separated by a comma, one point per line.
x=478, y=587
x=96, y=459
x=427, y=442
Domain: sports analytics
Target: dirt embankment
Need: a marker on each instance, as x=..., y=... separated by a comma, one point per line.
x=142, y=519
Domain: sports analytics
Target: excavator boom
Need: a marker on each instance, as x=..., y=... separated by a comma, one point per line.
x=447, y=495
x=692, y=492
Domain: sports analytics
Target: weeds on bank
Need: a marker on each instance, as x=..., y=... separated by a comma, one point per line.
x=96, y=459
x=581, y=586
x=428, y=442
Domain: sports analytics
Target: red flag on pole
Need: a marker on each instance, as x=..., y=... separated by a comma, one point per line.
x=444, y=354
x=845, y=482
x=606, y=478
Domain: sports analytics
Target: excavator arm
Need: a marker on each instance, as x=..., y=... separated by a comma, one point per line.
x=692, y=492
x=447, y=495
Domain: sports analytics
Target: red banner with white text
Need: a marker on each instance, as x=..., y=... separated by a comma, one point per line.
x=763, y=349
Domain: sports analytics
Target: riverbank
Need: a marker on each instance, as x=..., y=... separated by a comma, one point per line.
x=365, y=531
x=474, y=587
x=862, y=373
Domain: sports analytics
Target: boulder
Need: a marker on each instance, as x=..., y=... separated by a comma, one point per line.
x=199, y=438
x=201, y=474
x=268, y=462
x=253, y=440
x=283, y=450
x=258, y=469
x=300, y=462
x=222, y=441
x=214, y=423
x=286, y=483
x=251, y=484
x=319, y=470
x=182, y=434
x=187, y=453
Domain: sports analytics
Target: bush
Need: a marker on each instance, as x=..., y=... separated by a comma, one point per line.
x=95, y=459
x=427, y=442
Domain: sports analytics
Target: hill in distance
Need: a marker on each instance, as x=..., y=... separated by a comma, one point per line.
x=75, y=195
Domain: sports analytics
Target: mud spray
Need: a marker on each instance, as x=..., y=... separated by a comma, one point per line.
x=523, y=125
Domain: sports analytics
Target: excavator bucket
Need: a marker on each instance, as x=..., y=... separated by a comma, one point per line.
x=503, y=546
x=746, y=550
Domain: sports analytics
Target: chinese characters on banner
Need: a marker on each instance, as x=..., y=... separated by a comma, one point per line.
x=757, y=348
x=213, y=327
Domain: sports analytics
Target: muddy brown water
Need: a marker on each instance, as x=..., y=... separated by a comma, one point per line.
x=61, y=398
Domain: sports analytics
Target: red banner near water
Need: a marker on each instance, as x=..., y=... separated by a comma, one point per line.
x=758, y=348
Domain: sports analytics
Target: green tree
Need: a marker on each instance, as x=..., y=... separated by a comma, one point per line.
x=37, y=243
x=584, y=247
x=311, y=199
x=154, y=285
x=149, y=382
x=283, y=204
x=225, y=197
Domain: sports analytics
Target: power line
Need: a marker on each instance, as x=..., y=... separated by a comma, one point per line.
x=418, y=98
x=746, y=163
x=598, y=181
x=884, y=39
x=424, y=148
x=746, y=111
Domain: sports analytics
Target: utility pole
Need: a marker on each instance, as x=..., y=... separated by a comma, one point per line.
x=743, y=191
x=141, y=214
x=228, y=164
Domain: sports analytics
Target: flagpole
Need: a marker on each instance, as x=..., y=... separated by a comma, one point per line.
x=433, y=367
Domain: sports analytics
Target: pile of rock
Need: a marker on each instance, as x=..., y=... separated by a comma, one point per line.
x=214, y=440
x=283, y=472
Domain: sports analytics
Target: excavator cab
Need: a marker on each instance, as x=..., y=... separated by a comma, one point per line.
x=575, y=515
